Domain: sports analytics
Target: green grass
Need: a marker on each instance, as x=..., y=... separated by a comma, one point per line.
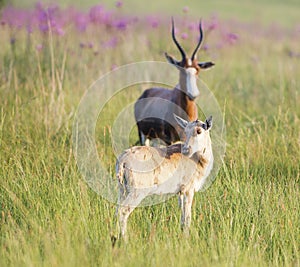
x=50, y=217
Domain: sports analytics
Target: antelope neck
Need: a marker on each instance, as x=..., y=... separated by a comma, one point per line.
x=186, y=103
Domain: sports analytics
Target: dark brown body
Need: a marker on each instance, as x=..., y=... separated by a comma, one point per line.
x=155, y=117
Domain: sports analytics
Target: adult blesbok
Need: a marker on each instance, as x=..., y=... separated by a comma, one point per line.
x=180, y=168
x=178, y=101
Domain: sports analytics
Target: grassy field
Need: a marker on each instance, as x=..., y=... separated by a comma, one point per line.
x=49, y=216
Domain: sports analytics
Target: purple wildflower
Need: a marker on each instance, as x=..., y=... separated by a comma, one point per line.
x=112, y=43
x=59, y=31
x=39, y=47
x=153, y=21
x=121, y=25
x=185, y=9
x=231, y=38
x=213, y=24
x=96, y=13
x=15, y=18
x=114, y=67
x=192, y=26
x=49, y=17
x=184, y=35
x=205, y=47
x=119, y=4
x=81, y=21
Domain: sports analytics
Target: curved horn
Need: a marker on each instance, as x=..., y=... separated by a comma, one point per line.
x=200, y=41
x=175, y=41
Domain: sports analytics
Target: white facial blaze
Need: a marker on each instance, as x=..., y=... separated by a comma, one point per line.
x=191, y=84
x=199, y=143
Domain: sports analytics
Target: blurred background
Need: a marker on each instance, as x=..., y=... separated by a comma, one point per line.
x=262, y=11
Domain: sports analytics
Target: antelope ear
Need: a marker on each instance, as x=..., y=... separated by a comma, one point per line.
x=172, y=60
x=208, y=123
x=205, y=65
x=181, y=122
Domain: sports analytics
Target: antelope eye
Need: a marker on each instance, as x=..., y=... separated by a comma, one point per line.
x=198, y=131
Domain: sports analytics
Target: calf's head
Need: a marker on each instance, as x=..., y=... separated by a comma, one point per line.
x=197, y=135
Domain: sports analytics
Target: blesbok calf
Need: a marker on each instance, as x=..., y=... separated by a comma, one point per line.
x=180, y=168
x=179, y=101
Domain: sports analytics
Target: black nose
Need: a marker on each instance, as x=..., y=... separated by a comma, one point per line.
x=186, y=150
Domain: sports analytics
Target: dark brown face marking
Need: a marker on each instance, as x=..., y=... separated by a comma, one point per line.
x=188, y=63
x=196, y=66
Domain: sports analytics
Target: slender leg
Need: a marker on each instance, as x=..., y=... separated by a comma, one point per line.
x=126, y=207
x=188, y=210
x=147, y=142
x=142, y=138
x=124, y=213
x=181, y=200
x=121, y=197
